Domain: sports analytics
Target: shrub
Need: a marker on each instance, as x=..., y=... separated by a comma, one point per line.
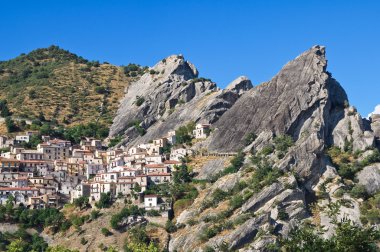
x=170, y=227
x=105, y=200
x=249, y=138
x=236, y=201
x=106, y=232
x=4, y=110
x=94, y=214
x=359, y=191
x=184, y=134
x=282, y=214
x=114, y=141
x=101, y=90
x=153, y=213
x=139, y=101
x=81, y=202
x=267, y=150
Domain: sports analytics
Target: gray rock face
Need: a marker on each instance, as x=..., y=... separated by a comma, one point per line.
x=211, y=168
x=240, y=85
x=171, y=97
x=370, y=178
x=260, y=199
x=351, y=128
x=302, y=89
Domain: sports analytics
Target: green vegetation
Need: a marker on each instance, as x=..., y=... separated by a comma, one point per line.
x=139, y=241
x=118, y=219
x=106, y=232
x=348, y=237
x=184, y=134
x=101, y=90
x=10, y=124
x=76, y=133
x=139, y=101
x=4, y=110
x=133, y=70
x=21, y=241
x=81, y=202
x=347, y=162
x=114, y=141
x=370, y=210
x=62, y=85
x=236, y=163
x=282, y=143
x=137, y=125
x=264, y=175
x=249, y=138
x=33, y=218
x=105, y=200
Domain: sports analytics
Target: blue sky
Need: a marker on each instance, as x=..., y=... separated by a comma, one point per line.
x=224, y=39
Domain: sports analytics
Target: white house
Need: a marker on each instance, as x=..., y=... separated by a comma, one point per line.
x=201, y=131
x=150, y=202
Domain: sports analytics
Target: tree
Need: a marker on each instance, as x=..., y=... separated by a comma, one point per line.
x=10, y=124
x=347, y=237
x=105, y=200
x=4, y=110
x=81, y=202
x=17, y=246
x=181, y=175
x=137, y=188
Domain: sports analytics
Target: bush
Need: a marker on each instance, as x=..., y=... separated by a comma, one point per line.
x=114, y=141
x=101, y=90
x=105, y=200
x=170, y=227
x=236, y=201
x=267, y=150
x=153, y=213
x=348, y=237
x=282, y=144
x=184, y=134
x=4, y=110
x=10, y=124
x=359, y=191
x=95, y=214
x=249, y=138
x=106, y=232
x=139, y=101
x=81, y=202
x=117, y=219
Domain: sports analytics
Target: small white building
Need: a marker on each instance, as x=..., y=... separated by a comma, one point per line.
x=22, y=138
x=201, y=131
x=150, y=202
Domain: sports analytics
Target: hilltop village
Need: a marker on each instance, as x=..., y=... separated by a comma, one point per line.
x=58, y=172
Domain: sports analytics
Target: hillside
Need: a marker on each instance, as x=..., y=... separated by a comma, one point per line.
x=63, y=86
x=287, y=165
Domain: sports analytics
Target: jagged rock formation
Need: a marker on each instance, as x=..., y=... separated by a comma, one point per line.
x=171, y=95
x=305, y=102
x=302, y=92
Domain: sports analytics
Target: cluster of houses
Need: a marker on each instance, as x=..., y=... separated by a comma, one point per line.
x=57, y=172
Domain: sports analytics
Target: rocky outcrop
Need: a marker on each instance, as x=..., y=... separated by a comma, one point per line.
x=170, y=95
x=298, y=99
x=351, y=130
x=370, y=178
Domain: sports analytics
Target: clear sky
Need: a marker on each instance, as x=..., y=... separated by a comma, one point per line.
x=224, y=39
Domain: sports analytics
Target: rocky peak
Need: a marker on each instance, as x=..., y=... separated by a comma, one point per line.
x=176, y=65
x=167, y=85
x=240, y=85
x=287, y=104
